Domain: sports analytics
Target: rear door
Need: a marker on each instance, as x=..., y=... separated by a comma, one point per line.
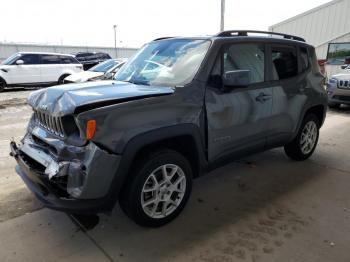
x=51, y=68
x=238, y=118
x=288, y=83
x=27, y=73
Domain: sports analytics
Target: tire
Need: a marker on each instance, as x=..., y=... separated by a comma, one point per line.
x=150, y=177
x=298, y=150
x=60, y=80
x=333, y=105
x=2, y=85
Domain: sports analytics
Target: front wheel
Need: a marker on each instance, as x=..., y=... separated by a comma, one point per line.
x=304, y=144
x=159, y=190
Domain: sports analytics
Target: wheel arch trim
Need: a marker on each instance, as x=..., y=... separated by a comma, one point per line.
x=140, y=141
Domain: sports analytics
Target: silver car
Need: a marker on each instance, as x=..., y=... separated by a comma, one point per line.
x=338, y=90
x=102, y=71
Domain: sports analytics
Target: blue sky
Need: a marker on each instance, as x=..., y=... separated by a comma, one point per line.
x=83, y=22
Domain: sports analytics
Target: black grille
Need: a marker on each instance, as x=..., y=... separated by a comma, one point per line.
x=343, y=98
x=344, y=84
x=50, y=123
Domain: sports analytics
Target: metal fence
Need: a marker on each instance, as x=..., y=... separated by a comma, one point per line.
x=7, y=49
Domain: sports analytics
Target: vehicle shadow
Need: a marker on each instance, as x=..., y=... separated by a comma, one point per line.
x=234, y=212
x=343, y=110
x=18, y=89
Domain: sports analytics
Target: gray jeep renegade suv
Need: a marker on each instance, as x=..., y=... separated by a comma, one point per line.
x=178, y=108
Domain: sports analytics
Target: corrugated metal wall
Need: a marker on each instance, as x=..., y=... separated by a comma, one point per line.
x=7, y=49
x=320, y=26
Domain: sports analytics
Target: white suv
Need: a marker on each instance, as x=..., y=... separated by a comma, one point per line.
x=37, y=69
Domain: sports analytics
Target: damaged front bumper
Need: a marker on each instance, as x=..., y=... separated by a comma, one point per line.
x=75, y=179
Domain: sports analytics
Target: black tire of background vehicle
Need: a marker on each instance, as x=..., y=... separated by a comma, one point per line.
x=2, y=85
x=293, y=149
x=62, y=77
x=333, y=105
x=130, y=197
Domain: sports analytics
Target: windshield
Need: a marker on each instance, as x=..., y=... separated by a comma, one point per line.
x=104, y=66
x=172, y=62
x=11, y=59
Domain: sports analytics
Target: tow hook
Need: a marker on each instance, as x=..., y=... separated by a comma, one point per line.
x=14, y=149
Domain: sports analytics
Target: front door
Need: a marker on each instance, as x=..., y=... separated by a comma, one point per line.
x=27, y=73
x=238, y=118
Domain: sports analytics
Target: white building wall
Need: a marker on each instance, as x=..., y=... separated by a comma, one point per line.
x=319, y=26
x=7, y=49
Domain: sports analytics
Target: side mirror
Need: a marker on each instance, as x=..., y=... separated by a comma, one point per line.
x=237, y=78
x=19, y=62
x=108, y=75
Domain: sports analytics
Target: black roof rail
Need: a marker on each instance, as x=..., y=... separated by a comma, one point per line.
x=162, y=38
x=245, y=33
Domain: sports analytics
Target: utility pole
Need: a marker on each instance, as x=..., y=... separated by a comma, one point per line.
x=222, y=21
x=115, y=39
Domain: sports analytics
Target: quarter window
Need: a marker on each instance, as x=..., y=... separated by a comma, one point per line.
x=50, y=59
x=68, y=60
x=284, y=62
x=304, y=57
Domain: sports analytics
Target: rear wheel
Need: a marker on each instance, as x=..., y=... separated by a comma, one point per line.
x=159, y=190
x=304, y=144
x=61, y=79
x=2, y=85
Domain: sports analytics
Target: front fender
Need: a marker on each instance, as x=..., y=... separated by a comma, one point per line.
x=140, y=141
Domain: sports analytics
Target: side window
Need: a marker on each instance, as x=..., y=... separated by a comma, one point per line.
x=67, y=60
x=246, y=57
x=304, y=59
x=50, y=59
x=284, y=62
x=73, y=60
x=30, y=59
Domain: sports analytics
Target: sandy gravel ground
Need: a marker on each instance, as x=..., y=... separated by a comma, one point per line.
x=15, y=198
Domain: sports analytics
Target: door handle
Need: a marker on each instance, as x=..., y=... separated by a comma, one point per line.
x=262, y=98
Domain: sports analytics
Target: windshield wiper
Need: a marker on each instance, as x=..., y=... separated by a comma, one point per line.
x=137, y=82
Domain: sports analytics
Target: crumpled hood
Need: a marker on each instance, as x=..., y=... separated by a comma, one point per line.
x=341, y=76
x=83, y=76
x=64, y=99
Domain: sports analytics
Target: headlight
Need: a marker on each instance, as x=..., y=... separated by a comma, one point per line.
x=333, y=80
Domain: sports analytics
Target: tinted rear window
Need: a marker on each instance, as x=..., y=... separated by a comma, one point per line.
x=304, y=57
x=68, y=60
x=51, y=59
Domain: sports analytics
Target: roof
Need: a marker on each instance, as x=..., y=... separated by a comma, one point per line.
x=43, y=53
x=243, y=35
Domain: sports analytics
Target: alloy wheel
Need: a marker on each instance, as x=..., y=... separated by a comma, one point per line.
x=308, y=137
x=163, y=191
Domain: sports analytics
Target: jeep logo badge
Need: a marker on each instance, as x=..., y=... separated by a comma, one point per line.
x=43, y=107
